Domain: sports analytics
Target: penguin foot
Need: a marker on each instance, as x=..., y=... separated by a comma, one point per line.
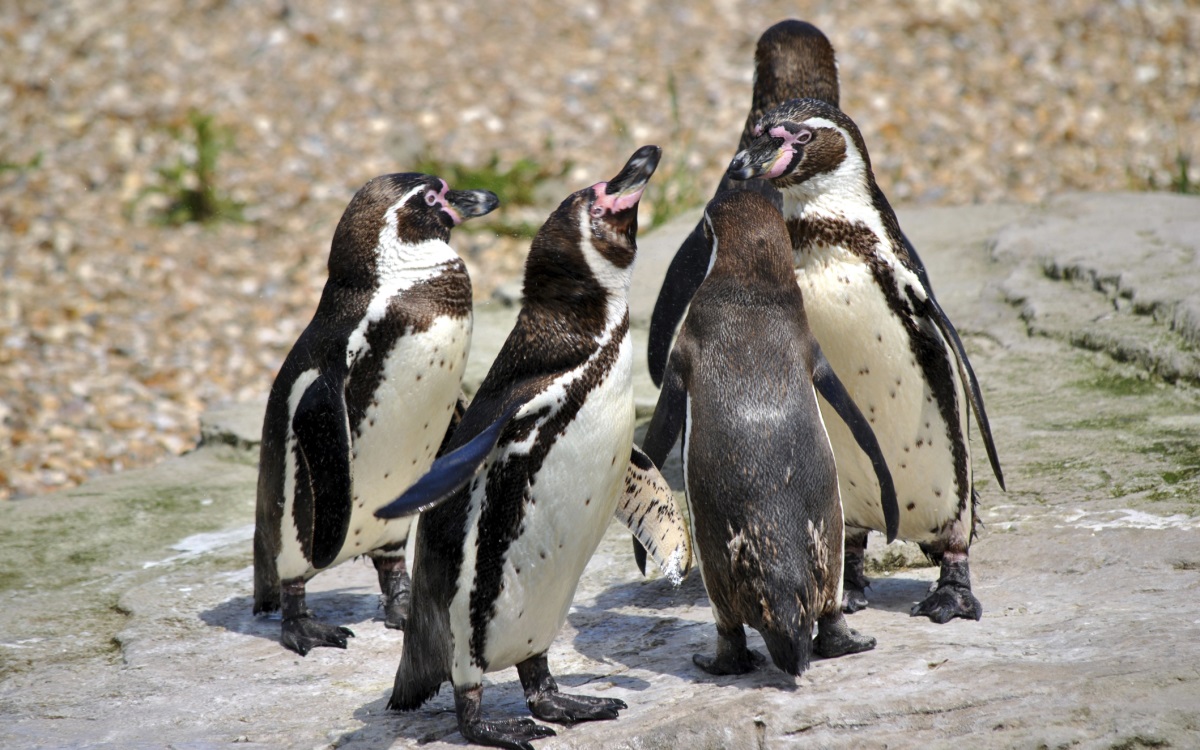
x=302, y=634
x=836, y=638
x=730, y=662
x=395, y=587
x=514, y=734
x=853, y=600
x=546, y=703
x=396, y=605
x=949, y=600
x=562, y=708
x=854, y=581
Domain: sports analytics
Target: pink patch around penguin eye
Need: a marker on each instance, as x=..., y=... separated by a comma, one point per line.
x=431, y=198
x=612, y=203
x=787, y=152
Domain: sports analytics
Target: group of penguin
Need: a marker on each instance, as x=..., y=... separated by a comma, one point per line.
x=820, y=390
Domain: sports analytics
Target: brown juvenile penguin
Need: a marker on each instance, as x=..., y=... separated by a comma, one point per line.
x=741, y=385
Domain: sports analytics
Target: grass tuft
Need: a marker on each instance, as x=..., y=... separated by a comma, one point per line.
x=190, y=184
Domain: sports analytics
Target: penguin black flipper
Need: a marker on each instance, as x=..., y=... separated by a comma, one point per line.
x=832, y=390
x=684, y=276
x=669, y=413
x=322, y=432
x=973, y=392
x=453, y=470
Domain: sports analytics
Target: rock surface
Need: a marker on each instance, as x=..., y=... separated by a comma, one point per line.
x=125, y=603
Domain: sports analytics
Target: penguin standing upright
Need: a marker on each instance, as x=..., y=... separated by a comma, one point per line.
x=792, y=59
x=761, y=481
x=532, y=475
x=364, y=399
x=870, y=306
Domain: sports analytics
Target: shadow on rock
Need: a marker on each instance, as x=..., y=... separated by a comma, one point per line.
x=435, y=721
x=662, y=644
x=342, y=606
x=895, y=594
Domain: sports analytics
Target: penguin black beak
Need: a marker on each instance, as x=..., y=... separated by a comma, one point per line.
x=635, y=174
x=472, y=203
x=753, y=161
x=617, y=200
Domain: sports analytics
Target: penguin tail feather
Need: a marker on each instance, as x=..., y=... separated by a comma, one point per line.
x=425, y=660
x=266, y=579
x=791, y=647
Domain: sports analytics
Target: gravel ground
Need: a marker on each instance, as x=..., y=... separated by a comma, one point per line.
x=117, y=331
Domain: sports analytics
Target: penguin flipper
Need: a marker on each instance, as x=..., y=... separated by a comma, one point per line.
x=451, y=471
x=684, y=276
x=323, y=486
x=951, y=334
x=973, y=392
x=832, y=390
x=648, y=509
x=669, y=413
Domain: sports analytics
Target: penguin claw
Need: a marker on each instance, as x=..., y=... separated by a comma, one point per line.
x=949, y=600
x=563, y=708
x=303, y=634
x=514, y=734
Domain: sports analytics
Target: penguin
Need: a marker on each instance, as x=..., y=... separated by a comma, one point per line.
x=871, y=307
x=792, y=59
x=364, y=399
x=760, y=476
x=512, y=512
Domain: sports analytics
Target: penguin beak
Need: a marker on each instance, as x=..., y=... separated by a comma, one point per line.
x=616, y=197
x=467, y=204
x=767, y=156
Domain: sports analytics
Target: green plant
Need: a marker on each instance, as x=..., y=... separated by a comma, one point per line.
x=17, y=166
x=1182, y=181
x=515, y=186
x=190, y=184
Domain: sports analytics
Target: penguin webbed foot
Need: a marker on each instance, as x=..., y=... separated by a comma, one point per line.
x=548, y=704
x=514, y=734
x=951, y=596
x=564, y=708
x=836, y=638
x=303, y=633
x=733, y=657
x=854, y=581
x=947, y=601
x=853, y=600
x=716, y=665
x=395, y=587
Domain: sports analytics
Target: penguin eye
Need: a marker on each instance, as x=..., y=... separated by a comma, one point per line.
x=597, y=211
x=803, y=137
x=430, y=198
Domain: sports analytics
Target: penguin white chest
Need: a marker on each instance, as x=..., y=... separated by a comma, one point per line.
x=869, y=346
x=572, y=500
x=400, y=432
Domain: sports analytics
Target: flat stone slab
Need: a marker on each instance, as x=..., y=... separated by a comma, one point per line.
x=125, y=604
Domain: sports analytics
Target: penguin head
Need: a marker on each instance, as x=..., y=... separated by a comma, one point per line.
x=748, y=239
x=588, y=244
x=397, y=211
x=801, y=140
x=793, y=59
